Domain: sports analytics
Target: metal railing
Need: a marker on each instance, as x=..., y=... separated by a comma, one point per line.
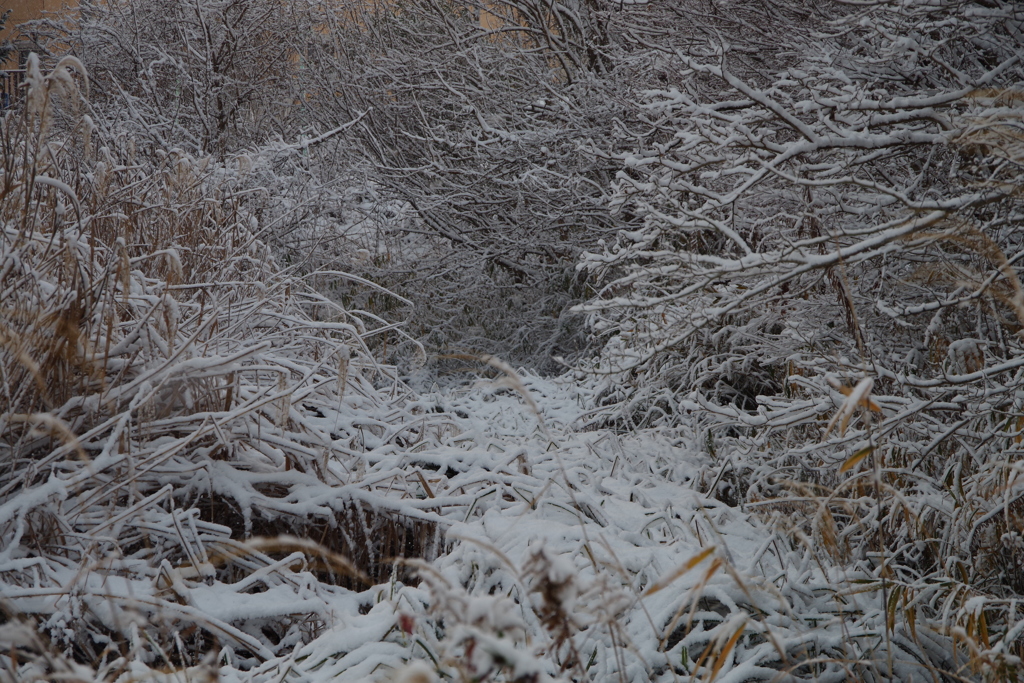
x=11, y=91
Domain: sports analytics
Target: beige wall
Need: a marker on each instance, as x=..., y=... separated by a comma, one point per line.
x=22, y=11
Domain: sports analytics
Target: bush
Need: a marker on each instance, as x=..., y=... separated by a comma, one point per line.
x=167, y=389
x=826, y=283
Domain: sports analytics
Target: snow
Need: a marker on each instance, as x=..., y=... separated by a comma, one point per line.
x=604, y=515
x=785, y=267
x=527, y=501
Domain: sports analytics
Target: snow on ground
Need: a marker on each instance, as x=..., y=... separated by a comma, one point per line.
x=553, y=535
x=566, y=553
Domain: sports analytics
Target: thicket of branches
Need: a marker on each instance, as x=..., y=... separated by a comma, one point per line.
x=163, y=388
x=827, y=281
x=442, y=150
x=474, y=118
x=793, y=231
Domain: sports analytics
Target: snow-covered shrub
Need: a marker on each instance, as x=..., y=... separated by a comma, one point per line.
x=207, y=470
x=464, y=187
x=210, y=77
x=168, y=393
x=482, y=191
x=826, y=281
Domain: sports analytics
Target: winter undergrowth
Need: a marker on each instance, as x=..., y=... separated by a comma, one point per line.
x=208, y=471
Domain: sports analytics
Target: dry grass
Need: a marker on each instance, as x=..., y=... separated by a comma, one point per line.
x=165, y=429
x=163, y=385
